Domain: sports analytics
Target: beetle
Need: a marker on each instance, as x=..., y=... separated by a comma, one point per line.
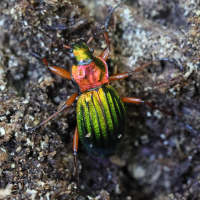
x=101, y=116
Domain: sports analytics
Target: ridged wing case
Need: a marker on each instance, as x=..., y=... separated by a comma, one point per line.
x=101, y=120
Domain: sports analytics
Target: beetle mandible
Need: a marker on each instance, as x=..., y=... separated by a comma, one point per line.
x=101, y=116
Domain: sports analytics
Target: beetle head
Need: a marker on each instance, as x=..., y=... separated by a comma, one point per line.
x=82, y=53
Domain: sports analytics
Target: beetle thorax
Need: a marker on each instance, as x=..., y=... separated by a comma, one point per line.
x=91, y=75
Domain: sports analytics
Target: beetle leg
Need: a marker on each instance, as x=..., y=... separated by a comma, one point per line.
x=105, y=54
x=57, y=70
x=67, y=46
x=67, y=104
x=90, y=40
x=138, y=101
x=75, y=149
x=127, y=74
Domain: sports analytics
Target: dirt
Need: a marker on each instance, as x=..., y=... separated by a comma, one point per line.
x=159, y=158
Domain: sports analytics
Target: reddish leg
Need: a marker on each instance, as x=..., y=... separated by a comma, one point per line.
x=127, y=74
x=105, y=54
x=67, y=46
x=75, y=149
x=67, y=104
x=90, y=39
x=138, y=101
x=57, y=70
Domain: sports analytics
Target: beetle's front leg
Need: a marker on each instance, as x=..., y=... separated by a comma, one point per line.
x=75, y=149
x=105, y=54
x=57, y=70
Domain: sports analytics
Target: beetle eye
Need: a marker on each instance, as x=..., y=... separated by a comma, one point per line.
x=71, y=55
x=91, y=49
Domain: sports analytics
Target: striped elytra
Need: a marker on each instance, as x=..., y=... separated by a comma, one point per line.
x=101, y=120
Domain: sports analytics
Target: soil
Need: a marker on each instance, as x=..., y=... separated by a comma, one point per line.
x=159, y=158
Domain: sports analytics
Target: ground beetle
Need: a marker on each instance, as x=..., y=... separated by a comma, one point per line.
x=101, y=116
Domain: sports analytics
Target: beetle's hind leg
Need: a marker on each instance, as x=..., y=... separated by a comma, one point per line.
x=57, y=70
x=75, y=149
x=138, y=101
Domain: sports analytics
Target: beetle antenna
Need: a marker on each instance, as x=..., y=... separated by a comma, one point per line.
x=105, y=22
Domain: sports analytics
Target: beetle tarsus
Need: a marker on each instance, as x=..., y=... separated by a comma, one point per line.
x=35, y=55
x=191, y=129
x=76, y=168
x=172, y=61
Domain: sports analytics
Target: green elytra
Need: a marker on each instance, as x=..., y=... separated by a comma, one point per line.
x=101, y=120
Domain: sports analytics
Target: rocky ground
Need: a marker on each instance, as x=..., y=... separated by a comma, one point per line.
x=159, y=158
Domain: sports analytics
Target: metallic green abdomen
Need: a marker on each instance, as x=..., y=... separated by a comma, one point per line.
x=101, y=120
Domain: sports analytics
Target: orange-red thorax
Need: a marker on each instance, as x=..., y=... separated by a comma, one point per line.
x=90, y=75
